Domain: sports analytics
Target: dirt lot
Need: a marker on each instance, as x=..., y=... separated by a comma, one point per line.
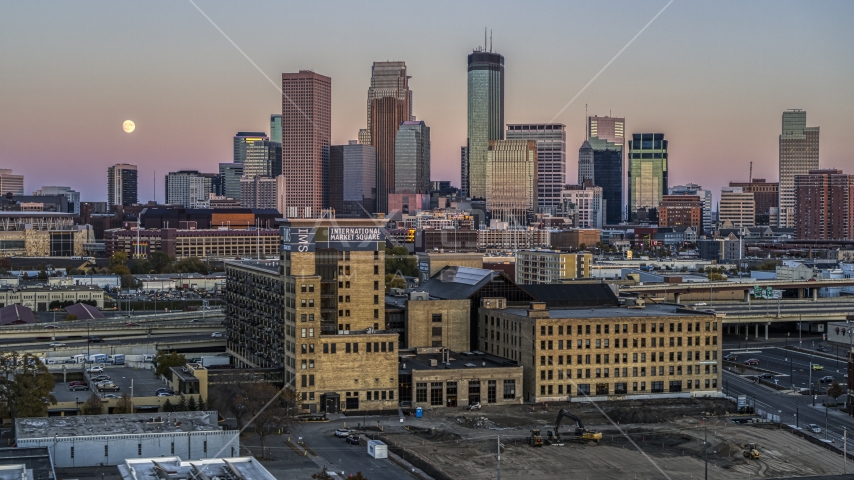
x=660, y=439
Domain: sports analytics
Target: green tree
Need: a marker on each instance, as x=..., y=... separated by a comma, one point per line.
x=190, y=265
x=167, y=406
x=160, y=262
x=25, y=386
x=129, y=281
x=93, y=405
x=163, y=361
x=119, y=258
x=201, y=405
x=181, y=406
x=124, y=405
x=582, y=246
x=119, y=270
x=399, y=261
x=141, y=266
x=394, y=281
x=71, y=316
x=834, y=391
x=191, y=404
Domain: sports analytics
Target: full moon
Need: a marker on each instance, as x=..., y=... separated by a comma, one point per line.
x=128, y=126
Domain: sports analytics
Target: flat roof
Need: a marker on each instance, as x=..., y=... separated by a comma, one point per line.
x=126, y=424
x=36, y=459
x=613, y=312
x=174, y=467
x=411, y=360
x=269, y=266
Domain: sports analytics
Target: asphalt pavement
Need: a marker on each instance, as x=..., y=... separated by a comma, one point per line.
x=793, y=368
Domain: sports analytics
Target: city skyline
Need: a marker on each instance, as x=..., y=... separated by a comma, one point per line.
x=187, y=112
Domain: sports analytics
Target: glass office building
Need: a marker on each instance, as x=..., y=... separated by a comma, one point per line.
x=647, y=172
x=511, y=181
x=412, y=158
x=485, y=114
x=608, y=174
x=798, y=155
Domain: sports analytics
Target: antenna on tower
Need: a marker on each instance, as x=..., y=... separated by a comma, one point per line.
x=586, y=130
x=490, y=40
x=750, y=179
x=484, y=39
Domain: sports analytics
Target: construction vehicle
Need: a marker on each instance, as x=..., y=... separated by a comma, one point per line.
x=581, y=433
x=751, y=452
x=536, y=439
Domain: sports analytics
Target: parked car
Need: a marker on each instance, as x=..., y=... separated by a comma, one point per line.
x=131, y=324
x=94, y=339
x=216, y=335
x=99, y=378
x=342, y=432
x=165, y=394
x=752, y=362
x=822, y=348
x=816, y=366
x=353, y=439
x=76, y=383
x=111, y=395
x=95, y=369
x=56, y=344
x=766, y=375
x=814, y=428
x=700, y=304
x=826, y=379
x=75, y=388
x=109, y=387
x=731, y=357
x=474, y=406
x=164, y=390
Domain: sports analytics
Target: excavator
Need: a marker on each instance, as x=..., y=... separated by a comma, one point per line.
x=581, y=433
x=751, y=452
x=536, y=439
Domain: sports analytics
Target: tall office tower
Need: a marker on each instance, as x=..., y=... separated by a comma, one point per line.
x=189, y=188
x=585, y=163
x=389, y=105
x=737, y=207
x=511, y=181
x=353, y=180
x=252, y=149
x=412, y=158
x=765, y=194
x=306, y=120
x=551, y=160
x=607, y=137
x=647, y=171
x=824, y=205
x=464, y=172
x=485, y=114
x=276, y=128
x=72, y=196
x=229, y=174
x=11, y=183
x=121, y=185
x=258, y=192
x=798, y=155
x=705, y=198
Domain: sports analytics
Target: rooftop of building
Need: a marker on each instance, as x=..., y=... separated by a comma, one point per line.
x=268, y=266
x=14, y=460
x=127, y=424
x=139, y=383
x=423, y=359
x=173, y=468
x=612, y=312
x=51, y=288
x=84, y=311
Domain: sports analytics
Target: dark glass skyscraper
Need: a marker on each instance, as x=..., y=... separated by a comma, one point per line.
x=608, y=174
x=412, y=158
x=485, y=114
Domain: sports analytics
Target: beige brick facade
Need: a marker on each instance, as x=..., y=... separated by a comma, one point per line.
x=606, y=353
x=438, y=323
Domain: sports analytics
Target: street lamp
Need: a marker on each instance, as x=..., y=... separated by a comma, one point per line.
x=797, y=421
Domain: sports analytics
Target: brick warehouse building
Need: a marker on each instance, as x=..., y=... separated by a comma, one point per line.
x=318, y=313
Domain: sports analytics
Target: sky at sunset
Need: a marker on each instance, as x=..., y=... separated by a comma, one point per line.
x=714, y=77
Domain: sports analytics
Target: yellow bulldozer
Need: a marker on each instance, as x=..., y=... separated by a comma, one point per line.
x=536, y=439
x=751, y=451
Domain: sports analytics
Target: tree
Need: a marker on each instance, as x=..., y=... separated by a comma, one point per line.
x=141, y=266
x=25, y=386
x=228, y=398
x=834, y=390
x=160, y=262
x=322, y=475
x=71, y=316
x=202, y=406
x=181, y=406
x=167, y=406
x=124, y=405
x=163, y=361
x=119, y=258
x=191, y=404
x=582, y=246
x=129, y=281
x=398, y=261
x=268, y=408
x=190, y=265
x=5, y=264
x=394, y=281
x=93, y=405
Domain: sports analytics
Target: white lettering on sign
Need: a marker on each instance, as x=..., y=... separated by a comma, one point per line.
x=355, y=234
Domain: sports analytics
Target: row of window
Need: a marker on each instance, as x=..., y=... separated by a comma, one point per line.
x=546, y=375
x=447, y=392
x=636, y=357
x=636, y=342
x=621, y=388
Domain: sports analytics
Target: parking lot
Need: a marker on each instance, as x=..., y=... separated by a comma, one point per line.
x=143, y=382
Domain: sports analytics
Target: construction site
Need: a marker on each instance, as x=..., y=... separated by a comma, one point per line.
x=625, y=439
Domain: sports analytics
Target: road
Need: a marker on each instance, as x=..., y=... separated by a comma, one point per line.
x=787, y=307
x=791, y=406
x=791, y=368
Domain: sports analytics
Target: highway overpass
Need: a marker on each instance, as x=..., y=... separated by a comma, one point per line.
x=739, y=290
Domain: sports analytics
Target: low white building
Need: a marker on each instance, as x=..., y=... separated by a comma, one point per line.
x=95, y=440
x=239, y=468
